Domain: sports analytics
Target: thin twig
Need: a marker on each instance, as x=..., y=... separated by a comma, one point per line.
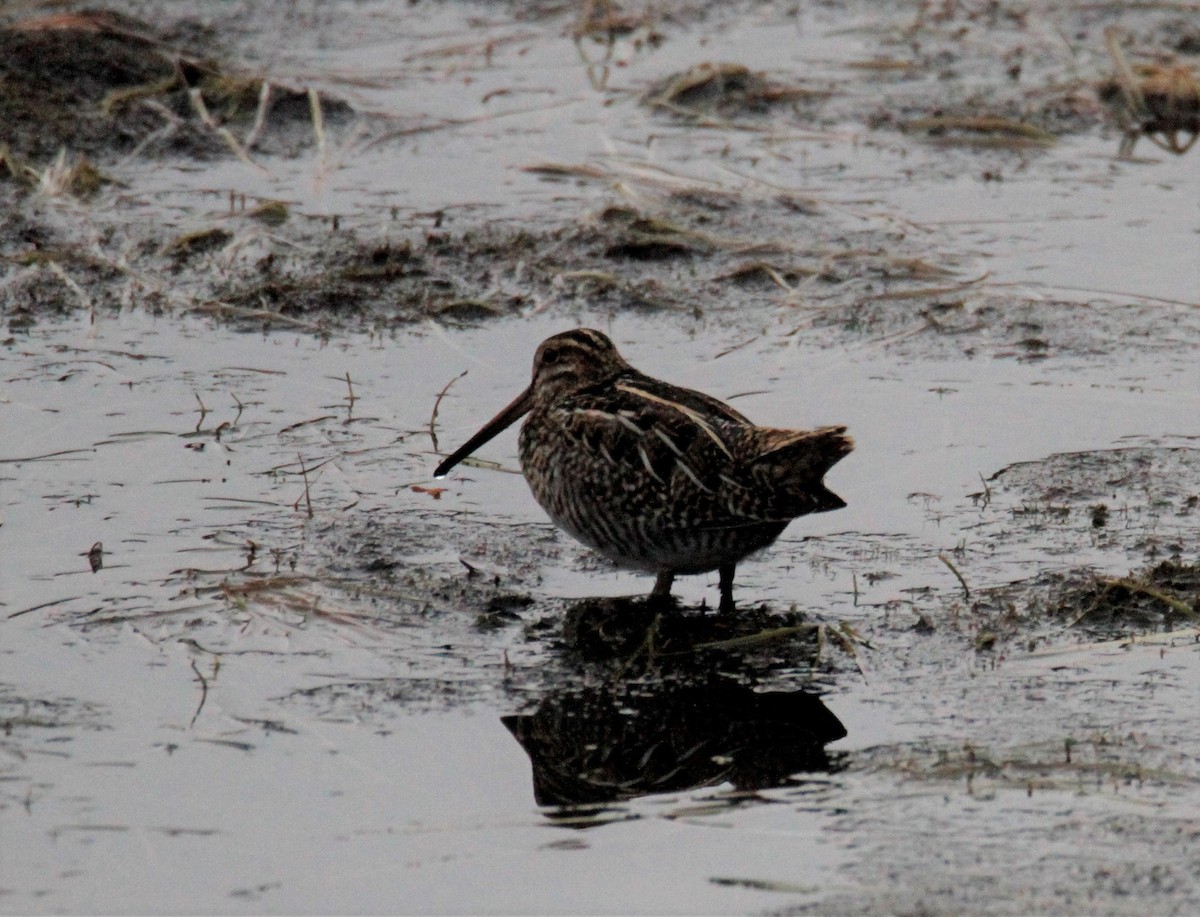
x=763, y=636
x=459, y=122
x=318, y=120
x=922, y=292
x=260, y=117
x=203, y=412
x=987, y=492
x=1126, y=80
x=43, y=456
x=202, y=111
x=953, y=569
x=51, y=604
x=265, y=315
x=203, y=693
x=646, y=647
x=845, y=637
x=437, y=403
x=74, y=287
x=307, y=494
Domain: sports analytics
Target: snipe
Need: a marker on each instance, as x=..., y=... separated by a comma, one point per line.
x=656, y=477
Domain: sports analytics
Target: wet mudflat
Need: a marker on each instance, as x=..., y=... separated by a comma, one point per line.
x=255, y=659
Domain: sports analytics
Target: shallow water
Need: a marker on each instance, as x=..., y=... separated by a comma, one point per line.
x=172, y=743
x=289, y=808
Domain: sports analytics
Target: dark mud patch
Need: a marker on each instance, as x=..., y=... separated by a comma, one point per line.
x=1164, y=477
x=463, y=638
x=1040, y=553
x=1041, y=81
x=473, y=622
x=617, y=260
x=698, y=256
x=639, y=633
x=1138, y=502
x=1074, y=547
x=449, y=653
x=1093, y=509
x=1080, y=604
x=698, y=259
x=102, y=83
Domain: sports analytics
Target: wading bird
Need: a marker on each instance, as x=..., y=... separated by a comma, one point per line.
x=653, y=476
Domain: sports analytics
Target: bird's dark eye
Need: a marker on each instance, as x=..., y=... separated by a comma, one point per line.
x=550, y=356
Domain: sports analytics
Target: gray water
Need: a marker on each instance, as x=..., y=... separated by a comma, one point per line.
x=158, y=752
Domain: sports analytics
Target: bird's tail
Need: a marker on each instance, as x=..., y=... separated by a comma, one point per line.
x=797, y=461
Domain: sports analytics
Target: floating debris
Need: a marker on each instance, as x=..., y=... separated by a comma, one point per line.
x=983, y=130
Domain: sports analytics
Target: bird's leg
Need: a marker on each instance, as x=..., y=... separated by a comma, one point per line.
x=662, y=586
x=725, y=572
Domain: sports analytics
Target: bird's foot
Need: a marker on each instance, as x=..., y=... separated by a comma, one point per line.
x=661, y=601
x=726, y=580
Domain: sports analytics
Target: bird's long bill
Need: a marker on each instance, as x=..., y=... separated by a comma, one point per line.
x=493, y=427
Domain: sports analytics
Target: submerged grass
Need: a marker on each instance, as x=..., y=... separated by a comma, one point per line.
x=1094, y=762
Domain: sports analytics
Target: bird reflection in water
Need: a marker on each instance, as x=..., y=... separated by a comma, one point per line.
x=598, y=745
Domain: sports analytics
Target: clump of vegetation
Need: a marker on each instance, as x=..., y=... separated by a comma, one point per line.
x=67, y=174
x=725, y=91
x=1157, y=100
x=1162, y=596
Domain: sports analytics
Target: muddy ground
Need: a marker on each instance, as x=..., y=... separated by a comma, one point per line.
x=237, y=205
x=103, y=88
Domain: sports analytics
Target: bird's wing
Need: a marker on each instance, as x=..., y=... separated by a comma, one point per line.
x=673, y=438
x=698, y=456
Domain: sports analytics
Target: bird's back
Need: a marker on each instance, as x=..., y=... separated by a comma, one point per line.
x=659, y=476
